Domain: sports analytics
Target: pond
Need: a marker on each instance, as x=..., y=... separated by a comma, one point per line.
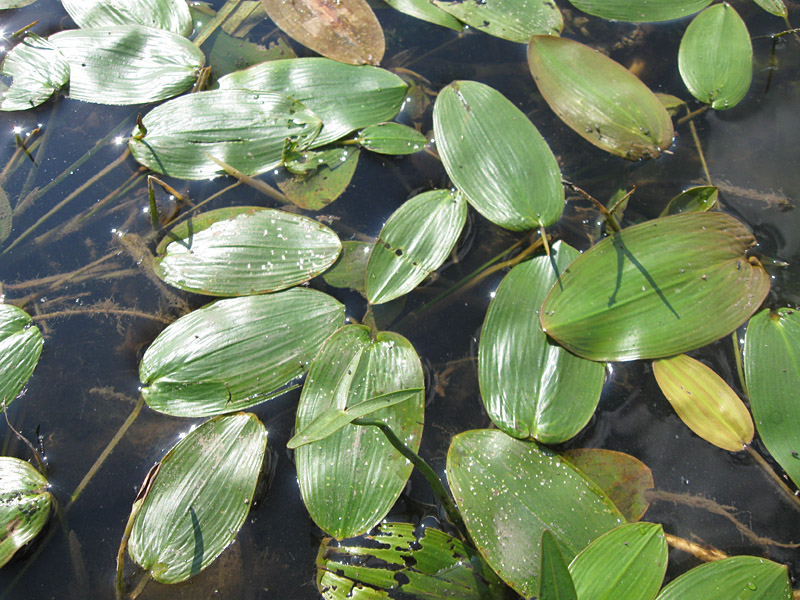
x=79, y=260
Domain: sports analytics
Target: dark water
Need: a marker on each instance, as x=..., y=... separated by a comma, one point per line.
x=86, y=382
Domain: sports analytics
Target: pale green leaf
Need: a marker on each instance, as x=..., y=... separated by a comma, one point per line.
x=514, y=20
x=350, y=270
x=38, y=69
x=171, y=15
x=24, y=505
x=640, y=11
x=391, y=138
x=696, y=199
x=776, y=7
x=425, y=10
x=20, y=349
x=317, y=188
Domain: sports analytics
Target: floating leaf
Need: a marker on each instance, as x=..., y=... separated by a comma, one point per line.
x=172, y=15
x=344, y=30
x=199, y=498
x=739, y=577
x=416, y=239
x=646, y=292
x=627, y=563
x=350, y=270
x=351, y=479
x=6, y=216
x=496, y=157
x=24, y=505
x=38, y=69
x=640, y=11
x=398, y=558
x=183, y=133
x=776, y=7
x=623, y=478
x=318, y=188
x=6, y=4
x=514, y=20
x=715, y=58
x=697, y=199
x=509, y=491
x=127, y=64
x=555, y=582
x=530, y=386
x=423, y=9
x=235, y=353
x=20, y=349
x=772, y=372
x=227, y=53
x=258, y=250
x=704, y=402
x=345, y=97
x=599, y=99
x=391, y=138
x=673, y=104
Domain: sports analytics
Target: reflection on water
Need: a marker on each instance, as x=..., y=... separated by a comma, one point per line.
x=97, y=322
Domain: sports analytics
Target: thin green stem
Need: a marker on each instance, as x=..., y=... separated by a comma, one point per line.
x=737, y=355
x=696, y=139
x=692, y=114
x=773, y=476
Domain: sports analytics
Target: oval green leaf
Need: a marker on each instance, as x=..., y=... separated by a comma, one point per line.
x=497, y=157
x=345, y=97
x=184, y=133
x=351, y=479
x=345, y=30
x=423, y=9
x=697, y=199
x=627, y=563
x=416, y=239
x=38, y=69
x=199, y=498
x=391, y=138
x=599, y=99
x=776, y=7
x=645, y=292
x=640, y=11
x=772, y=372
x=555, y=582
x=24, y=505
x=530, y=386
x=736, y=578
x=316, y=189
x=350, y=270
x=704, y=402
x=430, y=564
x=509, y=491
x=171, y=15
x=127, y=64
x=20, y=349
x=256, y=251
x=514, y=20
x=236, y=353
x=623, y=478
x=715, y=57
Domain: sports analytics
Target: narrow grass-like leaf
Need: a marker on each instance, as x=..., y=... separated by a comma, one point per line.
x=24, y=505
x=345, y=97
x=172, y=15
x=350, y=270
x=200, y=497
x=391, y=138
x=416, y=239
x=330, y=422
x=509, y=491
x=776, y=7
x=127, y=64
x=735, y=578
x=351, y=479
x=704, y=402
x=514, y=20
x=772, y=372
x=258, y=250
x=715, y=57
x=20, y=349
x=236, y=352
x=244, y=129
x=497, y=157
x=344, y=30
x=555, y=582
x=423, y=9
x=38, y=69
x=6, y=216
x=697, y=199
x=599, y=99
x=318, y=188
x=640, y=11
x=645, y=292
x=530, y=386
x=627, y=563
x=400, y=560
x=622, y=477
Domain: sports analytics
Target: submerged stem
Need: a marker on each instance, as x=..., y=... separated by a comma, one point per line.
x=773, y=476
x=702, y=156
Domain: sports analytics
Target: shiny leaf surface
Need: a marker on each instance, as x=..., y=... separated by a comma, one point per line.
x=24, y=505
x=776, y=7
x=20, y=349
x=391, y=138
x=514, y=20
x=555, y=582
x=646, y=292
x=38, y=69
x=172, y=15
x=599, y=99
x=697, y=199
x=423, y=9
x=640, y=11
